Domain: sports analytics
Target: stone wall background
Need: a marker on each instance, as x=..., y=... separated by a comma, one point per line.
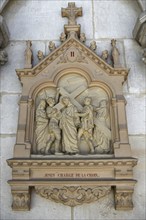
x=41, y=21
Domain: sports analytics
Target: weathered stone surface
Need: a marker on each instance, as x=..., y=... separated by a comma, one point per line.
x=3, y=4
x=115, y=19
x=9, y=113
x=42, y=12
x=142, y=4
x=137, y=75
x=136, y=113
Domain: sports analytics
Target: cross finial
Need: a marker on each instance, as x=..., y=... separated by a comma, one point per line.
x=71, y=12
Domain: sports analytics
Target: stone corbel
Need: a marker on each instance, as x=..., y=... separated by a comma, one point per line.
x=21, y=199
x=4, y=39
x=123, y=198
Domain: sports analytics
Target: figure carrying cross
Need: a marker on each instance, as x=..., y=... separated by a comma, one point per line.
x=71, y=12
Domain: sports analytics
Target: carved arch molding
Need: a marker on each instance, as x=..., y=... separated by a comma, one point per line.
x=72, y=141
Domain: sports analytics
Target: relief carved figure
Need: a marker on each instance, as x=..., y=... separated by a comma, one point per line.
x=54, y=135
x=68, y=123
x=63, y=37
x=93, y=46
x=41, y=126
x=87, y=123
x=102, y=133
x=40, y=55
x=105, y=55
x=115, y=54
x=68, y=131
x=52, y=46
x=28, y=55
x=82, y=37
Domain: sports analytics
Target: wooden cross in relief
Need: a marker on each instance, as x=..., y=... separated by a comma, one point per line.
x=72, y=97
x=71, y=12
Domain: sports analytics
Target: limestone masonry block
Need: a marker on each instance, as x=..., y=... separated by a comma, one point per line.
x=9, y=79
x=136, y=113
x=32, y=14
x=9, y=114
x=115, y=18
x=137, y=75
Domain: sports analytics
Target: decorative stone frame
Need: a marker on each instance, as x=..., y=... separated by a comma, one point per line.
x=80, y=185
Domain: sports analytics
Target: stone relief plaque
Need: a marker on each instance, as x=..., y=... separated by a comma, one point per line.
x=72, y=141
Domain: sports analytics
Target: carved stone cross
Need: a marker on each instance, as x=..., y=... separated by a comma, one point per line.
x=71, y=12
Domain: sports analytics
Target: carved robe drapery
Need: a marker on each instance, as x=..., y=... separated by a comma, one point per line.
x=69, y=130
x=41, y=126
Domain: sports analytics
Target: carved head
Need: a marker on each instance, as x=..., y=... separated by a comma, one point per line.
x=66, y=101
x=51, y=43
x=105, y=54
x=28, y=43
x=63, y=35
x=103, y=103
x=93, y=45
x=40, y=54
x=87, y=101
x=51, y=101
x=113, y=42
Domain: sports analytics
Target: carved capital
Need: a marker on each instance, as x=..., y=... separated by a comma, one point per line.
x=21, y=201
x=123, y=200
x=73, y=195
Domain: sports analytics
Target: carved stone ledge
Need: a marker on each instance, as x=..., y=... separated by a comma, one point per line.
x=73, y=195
x=97, y=162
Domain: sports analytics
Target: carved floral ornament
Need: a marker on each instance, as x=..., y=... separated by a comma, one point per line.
x=72, y=141
x=73, y=195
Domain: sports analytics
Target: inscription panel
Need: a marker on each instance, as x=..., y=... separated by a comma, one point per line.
x=72, y=173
